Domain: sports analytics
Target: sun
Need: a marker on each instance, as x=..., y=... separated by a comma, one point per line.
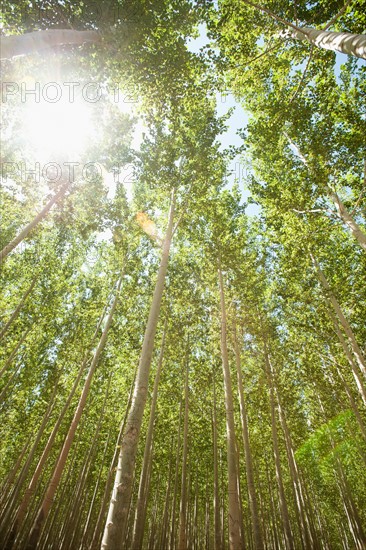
x=59, y=130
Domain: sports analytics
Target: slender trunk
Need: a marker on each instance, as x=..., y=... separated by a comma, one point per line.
x=85, y=538
x=274, y=531
x=154, y=519
x=9, y=382
x=36, y=42
x=348, y=354
x=344, y=42
x=28, y=228
x=207, y=524
x=53, y=485
x=253, y=504
x=11, y=357
x=350, y=44
x=52, y=534
x=359, y=383
x=165, y=521
x=216, y=502
x=17, y=310
x=353, y=404
x=283, y=502
x=222, y=517
x=7, y=487
x=355, y=523
x=346, y=217
x=131, y=512
x=176, y=477
x=342, y=211
x=244, y=529
x=71, y=526
x=108, y=486
x=305, y=528
x=182, y=537
x=115, y=528
x=193, y=530
x=234, y=510
x=345, y=324
x=139, y=524
x=310, y=506
x=353, y=512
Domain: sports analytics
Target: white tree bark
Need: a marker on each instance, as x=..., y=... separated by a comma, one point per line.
x=28, y=228
x=346, y=217
x=345, y=42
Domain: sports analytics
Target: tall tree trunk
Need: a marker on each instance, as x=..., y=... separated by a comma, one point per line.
x=283, y=502
x=306, y=533
x=355, y=523
x=97, y=533
x=348, y=354
x=346, y=217
x=253, y=504
x=345, y=324
x=353, y=404
x=17, y=310
x=10, y=359
x=342, y=211
x=59, y=468
x=154, y=519
x=36, y=42
x=8, y=487
x=115, y=528
x=274, y=531
x=165, y=521
x=28, y=228
x=176, y=479
x=71, y=526
x=351, y=44
x=182, y=537
x=344, y=42
x=234, y=508
x=216, y=501
x=139, y=524
x=86, y=537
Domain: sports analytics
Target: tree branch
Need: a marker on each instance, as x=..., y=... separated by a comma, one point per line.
x=334, y=19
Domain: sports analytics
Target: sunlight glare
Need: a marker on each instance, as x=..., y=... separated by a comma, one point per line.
x=58, y=130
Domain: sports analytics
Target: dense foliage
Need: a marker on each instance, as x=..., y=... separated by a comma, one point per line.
x=175, y=371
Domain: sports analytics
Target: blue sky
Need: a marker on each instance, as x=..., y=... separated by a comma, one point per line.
x=239, y=118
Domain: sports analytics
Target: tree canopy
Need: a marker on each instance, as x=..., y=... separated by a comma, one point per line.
x=177, y=372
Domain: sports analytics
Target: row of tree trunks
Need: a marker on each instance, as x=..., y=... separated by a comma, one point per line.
x=61, y=462
x=30, y=491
